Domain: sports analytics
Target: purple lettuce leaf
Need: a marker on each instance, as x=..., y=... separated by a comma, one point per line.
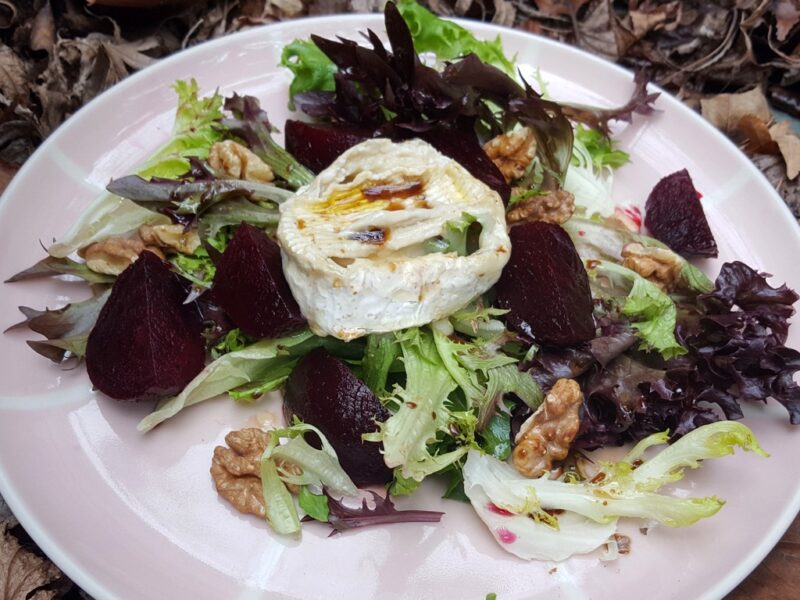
x=640, y=102
x=66, y=329
x=51, y=266
x=735, y=336
x=342, y=517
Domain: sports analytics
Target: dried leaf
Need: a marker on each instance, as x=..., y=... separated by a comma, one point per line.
x=725, y=111
x=645, y=20
x=43, y=30
x=13, y=76
x=756, y=137
x=597, y=31
x=25, y=575
x=555, y=8
x=789, y=145
x=786, y=17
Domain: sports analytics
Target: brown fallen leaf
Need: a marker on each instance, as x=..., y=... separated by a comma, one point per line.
x=598, y=30
x=755, y=136
x=725, y=111
x=23, y=574
x=13, y=76
x=555, y=8
x=786, y=17
x=643, y=21
x=789, y=145
x=43, y=30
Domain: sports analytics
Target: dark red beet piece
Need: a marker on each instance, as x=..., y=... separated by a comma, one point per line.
x=146, y=343
x=250, y=287
x=463, y=146
x=674, y=215
x=323, y=392
x=317, y=145
x=545, y=286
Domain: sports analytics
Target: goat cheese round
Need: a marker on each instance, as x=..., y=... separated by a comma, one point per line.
x=391, y=235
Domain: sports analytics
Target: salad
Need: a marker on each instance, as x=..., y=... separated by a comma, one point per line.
x=435, y=273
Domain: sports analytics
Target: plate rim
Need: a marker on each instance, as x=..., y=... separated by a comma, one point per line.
x=60, y=554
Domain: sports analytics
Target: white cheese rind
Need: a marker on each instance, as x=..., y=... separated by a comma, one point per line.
x=348, y=288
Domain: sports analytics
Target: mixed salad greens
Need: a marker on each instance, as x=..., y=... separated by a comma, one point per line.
x=654, y=352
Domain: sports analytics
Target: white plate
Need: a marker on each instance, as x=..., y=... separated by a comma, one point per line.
x=136, y=516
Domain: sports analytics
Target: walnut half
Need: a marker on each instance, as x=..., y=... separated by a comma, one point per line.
x=114, y=255
x=239, y=162
x=547, y=435
x=660, y=265
x=172, y=236
x=236, y=470
x=555, y=207
x=512, y=153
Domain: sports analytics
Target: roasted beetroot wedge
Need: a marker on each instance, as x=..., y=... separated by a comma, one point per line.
x=250, y=287
x=317, y=145
x=674, y=215
x=146, y=343
x=462, y=146
x=322, y=391
x=545, y=286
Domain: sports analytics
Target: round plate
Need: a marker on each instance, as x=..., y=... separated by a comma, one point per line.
x=136, y=516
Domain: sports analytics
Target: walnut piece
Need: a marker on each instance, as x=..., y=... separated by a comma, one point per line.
x=547, y=435
x=239, y=162
x=552, y=207
x=660, y=265
x=114, y=255
x=171, y=236
x=513, y=152
x=236, y=470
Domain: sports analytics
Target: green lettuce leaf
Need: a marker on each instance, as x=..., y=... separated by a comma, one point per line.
x=652, y=312
x=381, y=353
x=319, y=468
x=197, y=267
x=281, y=511
x=496, y=438
x=195, y=130
x=313, y=71
x=448, y=40
x=420, y=409
x=402, y=486
x=314, y=505
x=601, y=148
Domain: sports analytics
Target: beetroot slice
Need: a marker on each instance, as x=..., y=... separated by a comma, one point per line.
x=323, y=392
x=146, y=343
x=316, y=145
x=545, y=286
x=674, y=215
x=250, y=287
